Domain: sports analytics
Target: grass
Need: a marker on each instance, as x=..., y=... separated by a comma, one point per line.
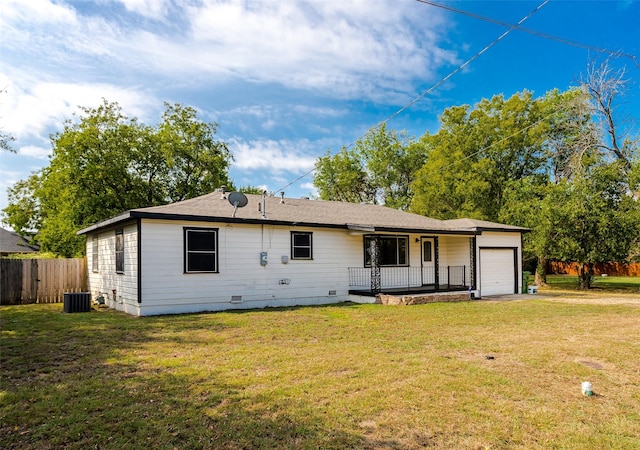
x=609, y=283
x=333, y=377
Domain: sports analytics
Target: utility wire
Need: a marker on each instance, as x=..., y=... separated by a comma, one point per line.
x=533, y=32
x=438, y=83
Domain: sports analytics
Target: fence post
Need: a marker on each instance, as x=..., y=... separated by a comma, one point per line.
x=32, y=293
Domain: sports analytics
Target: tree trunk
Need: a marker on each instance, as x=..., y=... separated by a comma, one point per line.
x=541, y=272
x=585, y=274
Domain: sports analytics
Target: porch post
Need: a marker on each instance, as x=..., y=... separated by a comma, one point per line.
x=436, y=262
x=374, y=250
x=472, y=262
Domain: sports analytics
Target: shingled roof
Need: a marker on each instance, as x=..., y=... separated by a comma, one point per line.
x=11, y=242
x=215, y=207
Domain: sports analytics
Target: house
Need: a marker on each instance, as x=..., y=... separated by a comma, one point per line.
x=12, y=243
x=229, y=251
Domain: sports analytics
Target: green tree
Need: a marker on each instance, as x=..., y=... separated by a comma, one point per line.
x=569, y=141
x=105, y=163
x=585, y=208
x=379, y=168
x=196, y=161
x=596, y=220
x=524, y=206
x=476, y=153
x=249, y=189
x=342, y=177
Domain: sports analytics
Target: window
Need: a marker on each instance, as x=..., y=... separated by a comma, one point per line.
x=201, y=250
x=94, y=254
x=427, y=255
x=301, y=245
x=393, y=250
x=119, y=251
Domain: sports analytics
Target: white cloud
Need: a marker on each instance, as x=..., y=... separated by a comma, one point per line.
x=320, y=111
x=276, y=156
x=32, y=107
x=313, y=192
x=35, y=152
x=35, y=11
x=153, y=9
x=349, y=49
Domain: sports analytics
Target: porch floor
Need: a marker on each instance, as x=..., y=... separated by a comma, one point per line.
x=427, y=289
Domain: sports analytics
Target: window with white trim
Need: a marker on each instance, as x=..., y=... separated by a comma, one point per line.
x=94, y=254
x=119, y=250
x=200, y=250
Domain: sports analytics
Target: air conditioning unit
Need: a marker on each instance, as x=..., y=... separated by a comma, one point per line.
x=77, y=302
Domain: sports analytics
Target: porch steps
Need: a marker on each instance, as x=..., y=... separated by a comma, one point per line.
x=421, y=299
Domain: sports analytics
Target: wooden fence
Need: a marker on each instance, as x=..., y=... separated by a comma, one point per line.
x=40, y=280
x=613, y=269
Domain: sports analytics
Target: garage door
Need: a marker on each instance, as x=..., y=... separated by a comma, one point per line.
x=497, y=271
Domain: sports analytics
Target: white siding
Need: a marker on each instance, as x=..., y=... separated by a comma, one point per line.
x=106, y=280
x=167, y=289
x=454, y=251
x=241, y=281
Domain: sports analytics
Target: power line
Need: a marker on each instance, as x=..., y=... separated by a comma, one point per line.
x=533, y=32
x=438, y=83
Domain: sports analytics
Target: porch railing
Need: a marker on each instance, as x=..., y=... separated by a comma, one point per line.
x=411, y=277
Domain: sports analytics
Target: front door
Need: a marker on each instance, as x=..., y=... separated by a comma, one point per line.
x=428, y=257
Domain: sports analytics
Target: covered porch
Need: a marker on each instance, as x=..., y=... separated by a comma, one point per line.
x=409, y=280
x=414, y=264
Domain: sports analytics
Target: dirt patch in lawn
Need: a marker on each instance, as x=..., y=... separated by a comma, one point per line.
x=594, y=298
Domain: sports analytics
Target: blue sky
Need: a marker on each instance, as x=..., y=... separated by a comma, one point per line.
x=287, y=80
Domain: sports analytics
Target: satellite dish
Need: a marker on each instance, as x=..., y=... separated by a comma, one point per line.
x=238, y=200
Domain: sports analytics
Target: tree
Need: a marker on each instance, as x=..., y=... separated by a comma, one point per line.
x=596, y=221
x=249, y=189
x=569, y=141
x=605, y=86
x=105, y=163
x=476, y=153
x=525, y=206
x=604, y=224
x=342, y=177
x=378, y=169
x=196, y=162
x=5, y=142
x=589, y=218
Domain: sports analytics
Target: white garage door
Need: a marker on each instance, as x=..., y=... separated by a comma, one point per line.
x=497, y=271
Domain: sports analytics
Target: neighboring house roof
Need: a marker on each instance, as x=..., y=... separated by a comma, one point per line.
x=215, y=207
x=11, y=242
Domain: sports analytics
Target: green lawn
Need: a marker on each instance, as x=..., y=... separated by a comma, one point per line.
x=610, y=284
x=344, y=376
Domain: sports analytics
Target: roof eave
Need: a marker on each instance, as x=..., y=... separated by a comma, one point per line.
x=124, y=217
x=132, y=215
